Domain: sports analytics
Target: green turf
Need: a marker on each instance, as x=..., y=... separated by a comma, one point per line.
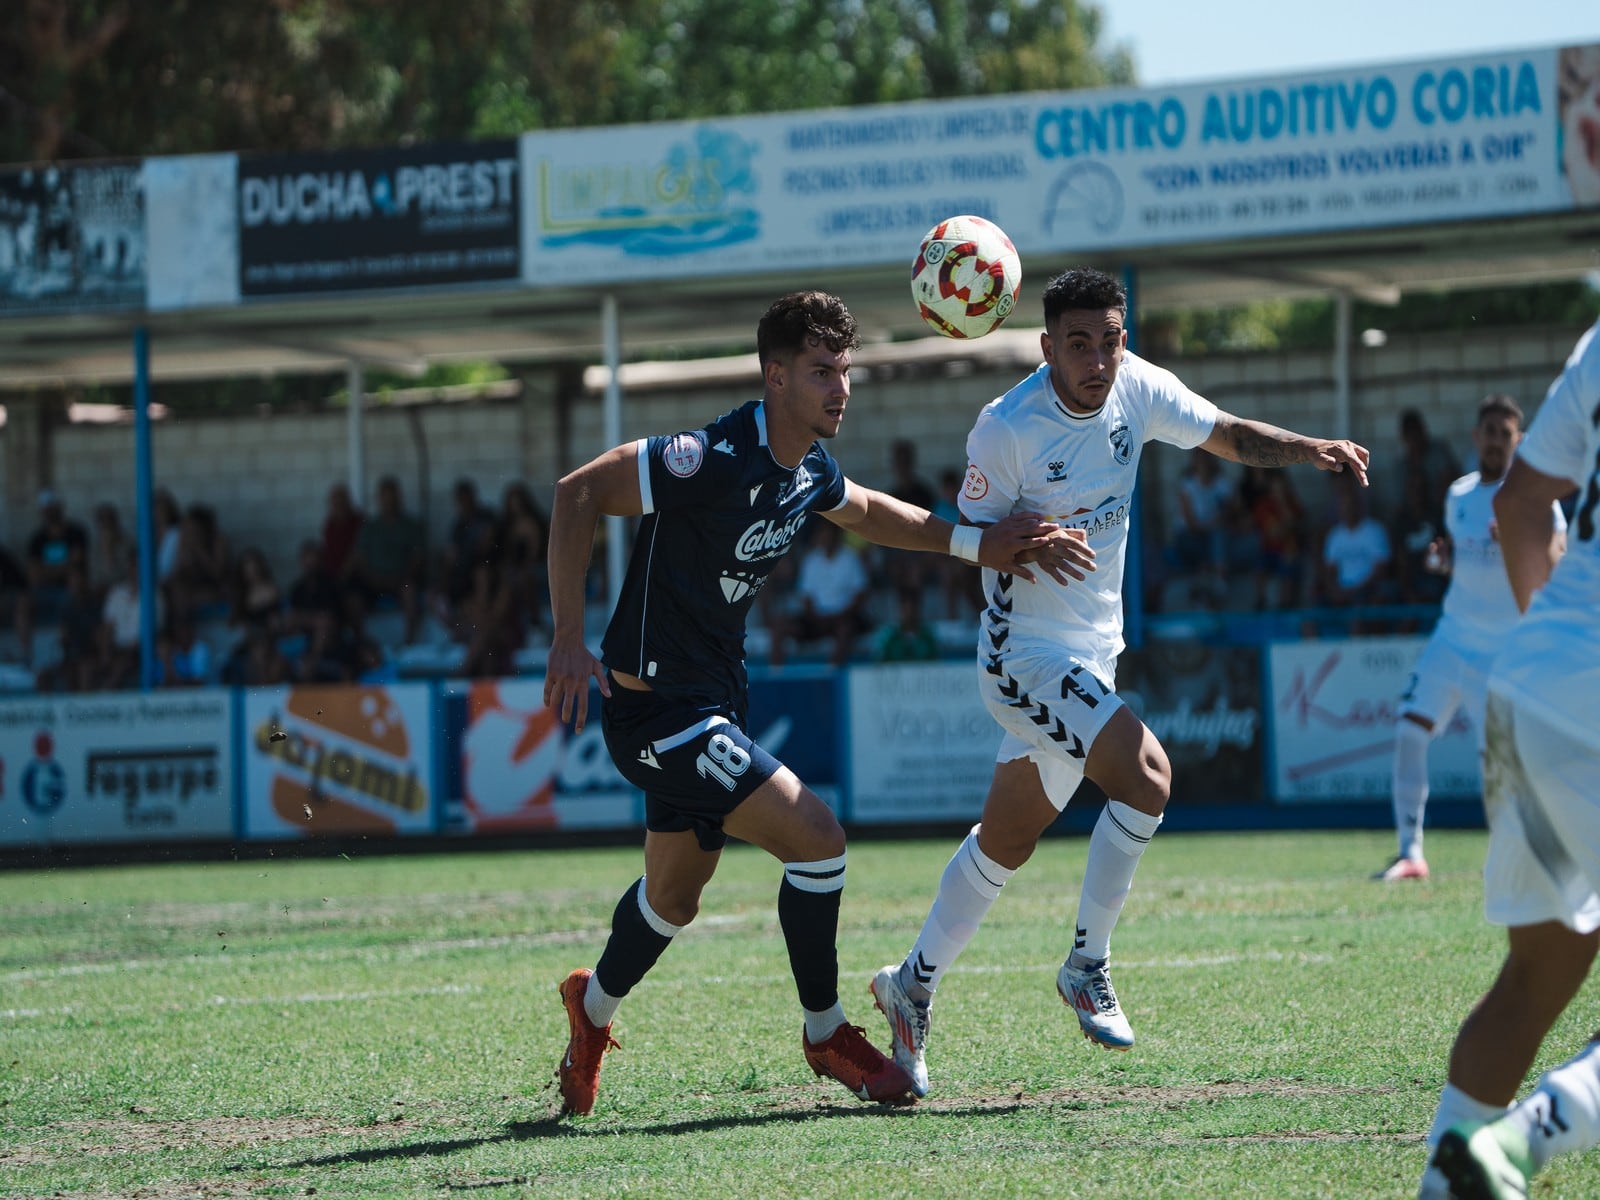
x=389, y=1026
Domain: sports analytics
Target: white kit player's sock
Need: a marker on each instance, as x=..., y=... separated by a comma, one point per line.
x=1456, y=1106
x=1563, y=1113
x=970, y=884
x=1119, y=838
x=1410, y=783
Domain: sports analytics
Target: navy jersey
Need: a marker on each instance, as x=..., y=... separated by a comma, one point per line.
x=720, y=512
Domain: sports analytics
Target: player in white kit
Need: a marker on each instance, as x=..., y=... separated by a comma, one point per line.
x=1452, y=671
x=1066, y=441
x=1542, y=794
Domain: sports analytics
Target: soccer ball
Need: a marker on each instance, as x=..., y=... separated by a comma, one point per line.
x=966, y=277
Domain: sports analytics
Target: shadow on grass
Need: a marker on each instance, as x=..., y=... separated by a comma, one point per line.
x=557, y=1127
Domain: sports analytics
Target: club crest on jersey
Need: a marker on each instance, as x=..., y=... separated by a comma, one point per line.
x=1122, y=444
x=800, y=482
x=977, y=485
x=683, y=455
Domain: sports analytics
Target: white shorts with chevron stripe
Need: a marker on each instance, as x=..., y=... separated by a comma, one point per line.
x=1051, y=703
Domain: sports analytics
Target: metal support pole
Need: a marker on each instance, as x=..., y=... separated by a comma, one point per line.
x=144, y=509
x=1133, y=567
x=1341, y=365
x=356, y=433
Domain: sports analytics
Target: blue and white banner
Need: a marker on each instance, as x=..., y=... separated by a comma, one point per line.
x=1487, y=135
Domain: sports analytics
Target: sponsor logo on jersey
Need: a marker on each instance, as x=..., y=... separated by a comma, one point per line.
x=683, y=455
x=1121, y=443
x=977, y=485
x=736, y=587
x=767, y=539
x=1098, y=520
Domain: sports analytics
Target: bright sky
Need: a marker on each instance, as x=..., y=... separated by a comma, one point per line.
x=1185, y=41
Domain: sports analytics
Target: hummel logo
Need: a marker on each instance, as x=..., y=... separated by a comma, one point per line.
x=1058, y=472
x=648, y=758
x=922, y=970
x=725, y=447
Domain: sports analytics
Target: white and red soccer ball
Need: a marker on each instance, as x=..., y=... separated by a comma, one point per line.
x=966, y=277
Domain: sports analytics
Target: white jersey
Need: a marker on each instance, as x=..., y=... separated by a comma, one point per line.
x=1478, y=607
x=1551, y=661
x=1029, y=453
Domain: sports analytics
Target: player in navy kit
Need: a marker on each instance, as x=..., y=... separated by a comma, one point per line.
x=720, y=506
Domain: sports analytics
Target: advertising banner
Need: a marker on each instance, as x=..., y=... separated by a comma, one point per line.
x=193, y=229
x=921, y=743
x=116, y=767
x=71, y=238
x=396, y=217
x=1204, y=705
x=1474, y=136
x=1332, y=730
x=516, y=769
x=337, y=760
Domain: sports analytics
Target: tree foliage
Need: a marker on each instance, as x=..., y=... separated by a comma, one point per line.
x=112, y=78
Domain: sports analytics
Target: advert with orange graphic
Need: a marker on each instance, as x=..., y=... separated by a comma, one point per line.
x=338, y=760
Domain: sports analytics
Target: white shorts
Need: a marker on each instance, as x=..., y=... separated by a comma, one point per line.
x=1052, y=705
x=1541, y=791
x=1447, y=678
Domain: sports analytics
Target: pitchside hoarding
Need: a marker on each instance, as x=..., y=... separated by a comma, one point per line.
x=338, y=761
x=399, y=217
x=116, y=767
x=1334, y=706
x=1476, y=136
x=513, y=768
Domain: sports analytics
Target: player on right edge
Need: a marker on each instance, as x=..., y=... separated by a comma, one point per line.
x=1453, y=670
x=1542, y=794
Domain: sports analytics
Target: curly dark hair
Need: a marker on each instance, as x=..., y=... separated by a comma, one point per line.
x=799, y=318
x=1082, y=287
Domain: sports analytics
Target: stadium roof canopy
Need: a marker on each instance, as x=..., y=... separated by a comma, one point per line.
x=1367, y=182
x=408, y=331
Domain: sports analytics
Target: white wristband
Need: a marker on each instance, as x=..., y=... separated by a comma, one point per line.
x=964, y=541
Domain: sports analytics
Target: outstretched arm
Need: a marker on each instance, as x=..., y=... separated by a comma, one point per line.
x=1007, y=545
x=605, y=486
x=1257, y=444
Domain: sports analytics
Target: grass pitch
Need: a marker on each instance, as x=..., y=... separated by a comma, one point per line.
x=390, y=1026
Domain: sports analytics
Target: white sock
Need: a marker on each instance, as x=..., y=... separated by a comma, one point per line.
x=1410, y=784
x=820, y=1025
x=600, y=1006
x=1119, y=838
x=1455, y=1105
x=1563, y=1113
x=970, y=884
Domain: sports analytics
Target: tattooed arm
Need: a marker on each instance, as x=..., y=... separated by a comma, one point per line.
x=1257, y=444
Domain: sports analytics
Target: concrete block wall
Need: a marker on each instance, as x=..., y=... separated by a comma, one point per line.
x=268, y=476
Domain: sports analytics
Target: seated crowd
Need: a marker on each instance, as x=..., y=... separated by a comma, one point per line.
x=1245, y=542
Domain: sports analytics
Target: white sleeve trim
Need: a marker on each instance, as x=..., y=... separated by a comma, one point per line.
x=642, y=447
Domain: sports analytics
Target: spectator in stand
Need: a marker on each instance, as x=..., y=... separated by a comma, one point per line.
x=1205, y=519
x=120, y=618
x=182, y=657
x=313, y=610
x=350, y=653
x=1428, y=460
x=389, y=557
x=56, y=545
x=524, y=531
x=340, y=527
x=255, y=600
x=168, y=519
x=908, y=568
x=908, y=638
x=108, y=549
x=14, y=605
x=79, y=667
x=1416, y=526
x=1278, y=520
x=205, y=563
x=1355, y=555
x=469, y=554
x=832, y=597
x=257, y=661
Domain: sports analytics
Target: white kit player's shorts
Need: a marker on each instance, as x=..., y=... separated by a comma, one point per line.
x=1446, y=678
x=1544, y=821
x=1051, y=704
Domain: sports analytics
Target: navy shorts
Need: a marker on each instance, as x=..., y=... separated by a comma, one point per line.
x=693, y=762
